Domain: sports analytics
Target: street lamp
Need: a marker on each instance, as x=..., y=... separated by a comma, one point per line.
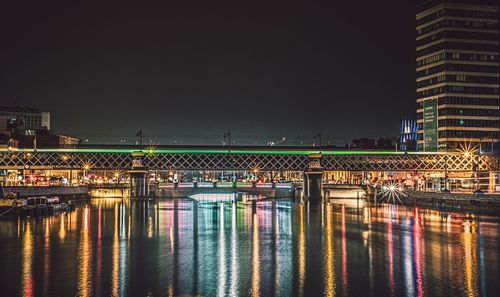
x=469, y=151
x=255, y=171
x=446, y=189
x=478, y=190
x=65, y=158
x=86, y=167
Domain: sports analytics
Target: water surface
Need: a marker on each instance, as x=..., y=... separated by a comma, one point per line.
x=166, y=248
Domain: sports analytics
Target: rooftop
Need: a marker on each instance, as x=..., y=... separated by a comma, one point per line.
x=20, y=109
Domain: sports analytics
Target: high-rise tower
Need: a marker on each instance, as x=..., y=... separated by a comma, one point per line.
x=457, y=74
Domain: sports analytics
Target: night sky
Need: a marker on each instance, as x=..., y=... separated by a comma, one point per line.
x=189, y=73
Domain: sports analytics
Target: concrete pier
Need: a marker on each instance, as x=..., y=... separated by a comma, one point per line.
x=462, y=202
x=138, y=176
x=313, y=185
x=30, y=191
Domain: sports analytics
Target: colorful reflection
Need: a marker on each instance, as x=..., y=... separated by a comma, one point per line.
x=46, y=257
x=419, y=252
x=221, y=287
x=283, y=249
x=115, y=268
x=235, y=277
x=27, y=281
x=255, y=291
x=344, y=251
x=84, y=280
x=330, y=285
x=302, y=250
x=99, y=251
x=470, y=258
x=390, y=254
x=271, y=248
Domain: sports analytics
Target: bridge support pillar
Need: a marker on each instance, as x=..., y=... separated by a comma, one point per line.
x=138, y=176
x=138, y=184
x=313, y=185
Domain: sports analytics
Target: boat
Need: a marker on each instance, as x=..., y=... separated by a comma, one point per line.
x=53, y=200
x=37, y=201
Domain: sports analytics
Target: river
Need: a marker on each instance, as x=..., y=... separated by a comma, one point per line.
x=119, y=247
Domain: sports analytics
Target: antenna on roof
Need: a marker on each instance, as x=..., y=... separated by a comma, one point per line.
x=16, y=101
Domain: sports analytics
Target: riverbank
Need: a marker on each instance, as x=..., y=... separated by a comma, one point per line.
x=15, y=201
x=65, y=193
x=462, y=202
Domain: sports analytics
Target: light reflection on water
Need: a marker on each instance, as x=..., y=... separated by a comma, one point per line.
x=27, y=273
x=84, y=279
x=129, y=248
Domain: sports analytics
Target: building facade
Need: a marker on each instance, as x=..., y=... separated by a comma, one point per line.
x=29, y=118
x=22, y=127
x=408, y=135
x=457, y=74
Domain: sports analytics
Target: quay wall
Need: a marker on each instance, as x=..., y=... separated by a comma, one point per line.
x=29, y=191
x=465, y=202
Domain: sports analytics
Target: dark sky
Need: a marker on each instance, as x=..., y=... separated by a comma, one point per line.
x=190, y=72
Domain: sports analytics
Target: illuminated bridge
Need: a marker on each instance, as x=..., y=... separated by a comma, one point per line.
x=313, y=162
x=263, y=158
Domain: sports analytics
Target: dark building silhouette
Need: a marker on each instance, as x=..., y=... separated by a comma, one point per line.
x=29, y=119
x=23, y=127
x=372, y=144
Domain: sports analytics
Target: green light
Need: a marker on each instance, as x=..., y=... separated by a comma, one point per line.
x=266, y=151
x=56, y=150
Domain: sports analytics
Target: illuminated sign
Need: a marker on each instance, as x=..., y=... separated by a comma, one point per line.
x=430, y=125
x=137, y=163
x=314, y=164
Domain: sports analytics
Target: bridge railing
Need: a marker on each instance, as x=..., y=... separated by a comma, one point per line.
x=225, y=185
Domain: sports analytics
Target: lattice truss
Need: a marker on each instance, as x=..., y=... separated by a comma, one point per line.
x=58, y=160
x=262, y=162
x=406, y=162
x=123, y=161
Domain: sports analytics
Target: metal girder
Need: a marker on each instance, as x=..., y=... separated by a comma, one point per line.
x=57, y=160
x=405, y=162
x=227, y=161
x=246, y=161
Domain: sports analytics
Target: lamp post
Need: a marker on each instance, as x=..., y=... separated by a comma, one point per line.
x=316, y=137
x=255, y=171
x=86, y=167
x=478, y=190
x=446, y=190
x=65, y=158
x=468, y=153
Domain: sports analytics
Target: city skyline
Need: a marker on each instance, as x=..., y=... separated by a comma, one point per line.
x=204, y=148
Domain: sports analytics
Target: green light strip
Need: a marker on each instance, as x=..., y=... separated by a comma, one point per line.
x=219, y=151
x=83, y=150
